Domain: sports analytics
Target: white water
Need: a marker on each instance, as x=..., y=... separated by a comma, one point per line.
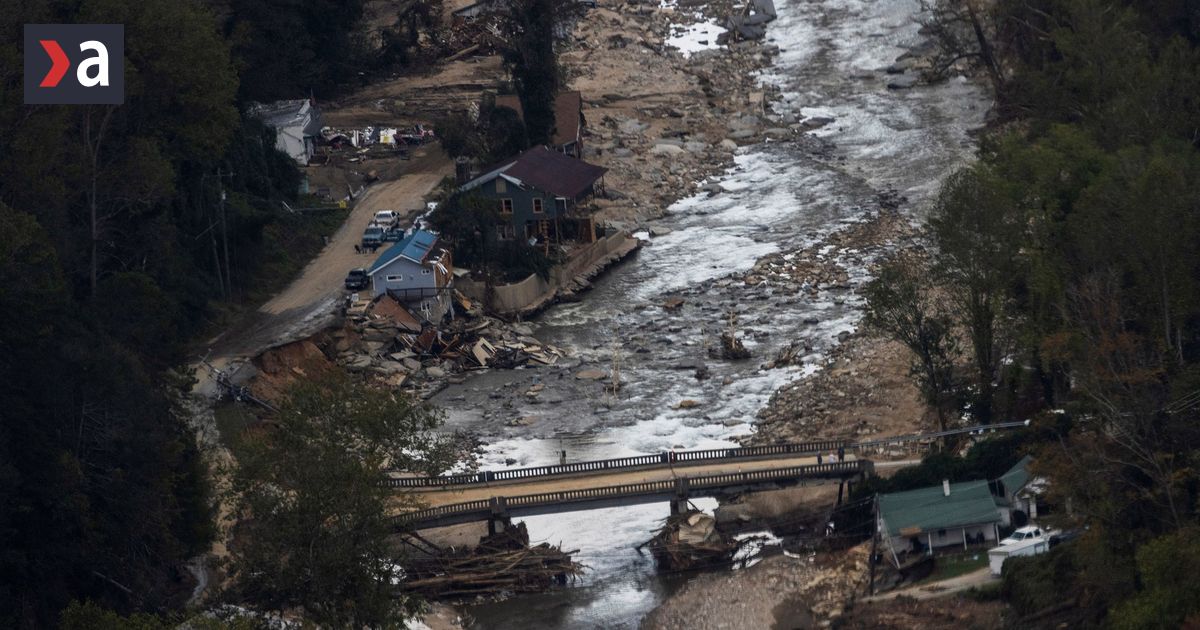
x=780, y=198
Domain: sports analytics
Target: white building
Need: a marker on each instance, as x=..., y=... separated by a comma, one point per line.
x=297, y=124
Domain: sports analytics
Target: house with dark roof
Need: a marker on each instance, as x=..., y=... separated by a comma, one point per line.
x=540, y=194
x=417, y=272
x=952, y=515
x=297, y=124
x=568, y=120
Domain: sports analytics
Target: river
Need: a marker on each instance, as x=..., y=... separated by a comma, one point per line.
x=780, y=197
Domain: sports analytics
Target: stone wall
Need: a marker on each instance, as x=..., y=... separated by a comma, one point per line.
x=533, y=293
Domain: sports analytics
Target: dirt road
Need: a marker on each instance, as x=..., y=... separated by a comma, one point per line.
x=308, y=303
x=953, y=585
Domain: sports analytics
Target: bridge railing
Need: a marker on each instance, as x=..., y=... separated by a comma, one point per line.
x=681, y=486
x=636, y=461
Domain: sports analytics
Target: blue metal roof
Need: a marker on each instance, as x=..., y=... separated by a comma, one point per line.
x=414, y=247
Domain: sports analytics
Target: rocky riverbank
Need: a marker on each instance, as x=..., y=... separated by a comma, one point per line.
x=661, y=119
x=785, y=591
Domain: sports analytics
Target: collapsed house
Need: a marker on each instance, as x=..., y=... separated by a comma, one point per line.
x=297, y=125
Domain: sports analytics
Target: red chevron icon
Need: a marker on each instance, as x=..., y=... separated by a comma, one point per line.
x=61, y=63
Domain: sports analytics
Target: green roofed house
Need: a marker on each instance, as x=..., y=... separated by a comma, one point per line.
x=918, y=522
x=1017, y=494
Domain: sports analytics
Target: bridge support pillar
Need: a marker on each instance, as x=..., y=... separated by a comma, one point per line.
x=841, y=489
x=498, y=524
x=499, y=520
x=679, y=505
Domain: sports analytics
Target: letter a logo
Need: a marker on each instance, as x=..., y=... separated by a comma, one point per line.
x=96, y=52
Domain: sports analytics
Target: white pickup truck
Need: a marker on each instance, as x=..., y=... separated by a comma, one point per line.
x=1025, y=541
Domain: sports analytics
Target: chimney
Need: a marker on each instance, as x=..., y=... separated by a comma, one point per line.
x=462, y=170
x=946, y=487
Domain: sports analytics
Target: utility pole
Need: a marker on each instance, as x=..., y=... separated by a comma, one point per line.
x=225, y=238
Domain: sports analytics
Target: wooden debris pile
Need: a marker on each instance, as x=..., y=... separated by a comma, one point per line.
x=404, y=349
x=501, y=564
x=690, y=541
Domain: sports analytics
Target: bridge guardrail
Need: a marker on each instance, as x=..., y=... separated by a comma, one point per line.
x=681, y=486
x=666, y=457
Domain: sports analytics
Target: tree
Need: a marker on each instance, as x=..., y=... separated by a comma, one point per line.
x=313, y=515
x=963, y=29
x=532, y=26
x=978, y=232
x=1170, y=593
x=901, y=304
x=87, y=438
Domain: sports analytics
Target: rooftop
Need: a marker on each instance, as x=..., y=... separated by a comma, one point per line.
x=287, y=113
x=930, y=509
x=547, y=170
x=1017, y=476
x=414, y=247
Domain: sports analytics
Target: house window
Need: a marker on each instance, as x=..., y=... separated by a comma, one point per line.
x=501, y=185
x=537, y=206
x=506, y=206
x=505, y=232
x=426, y=272
x=561, y=204
x=395, y=278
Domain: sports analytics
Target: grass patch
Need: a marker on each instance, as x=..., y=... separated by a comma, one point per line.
x=946, y=567
x=990, y=592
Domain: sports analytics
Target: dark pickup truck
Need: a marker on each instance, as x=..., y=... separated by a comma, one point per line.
x=357, y=279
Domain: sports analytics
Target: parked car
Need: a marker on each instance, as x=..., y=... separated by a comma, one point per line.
x=357, y=279
x=387, y=218
x=394, y=235
x=1025, y=541
x=373, y=236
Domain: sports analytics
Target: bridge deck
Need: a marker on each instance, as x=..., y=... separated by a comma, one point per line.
x=435, y=497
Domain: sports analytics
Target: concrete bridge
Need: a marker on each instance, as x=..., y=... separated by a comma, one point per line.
x=497, y=496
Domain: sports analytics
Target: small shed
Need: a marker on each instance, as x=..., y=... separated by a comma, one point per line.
x=921, y=521
x=416, y=271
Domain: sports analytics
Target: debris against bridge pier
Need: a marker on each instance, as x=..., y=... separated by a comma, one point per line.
x=689, y=541
x=502, y=563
